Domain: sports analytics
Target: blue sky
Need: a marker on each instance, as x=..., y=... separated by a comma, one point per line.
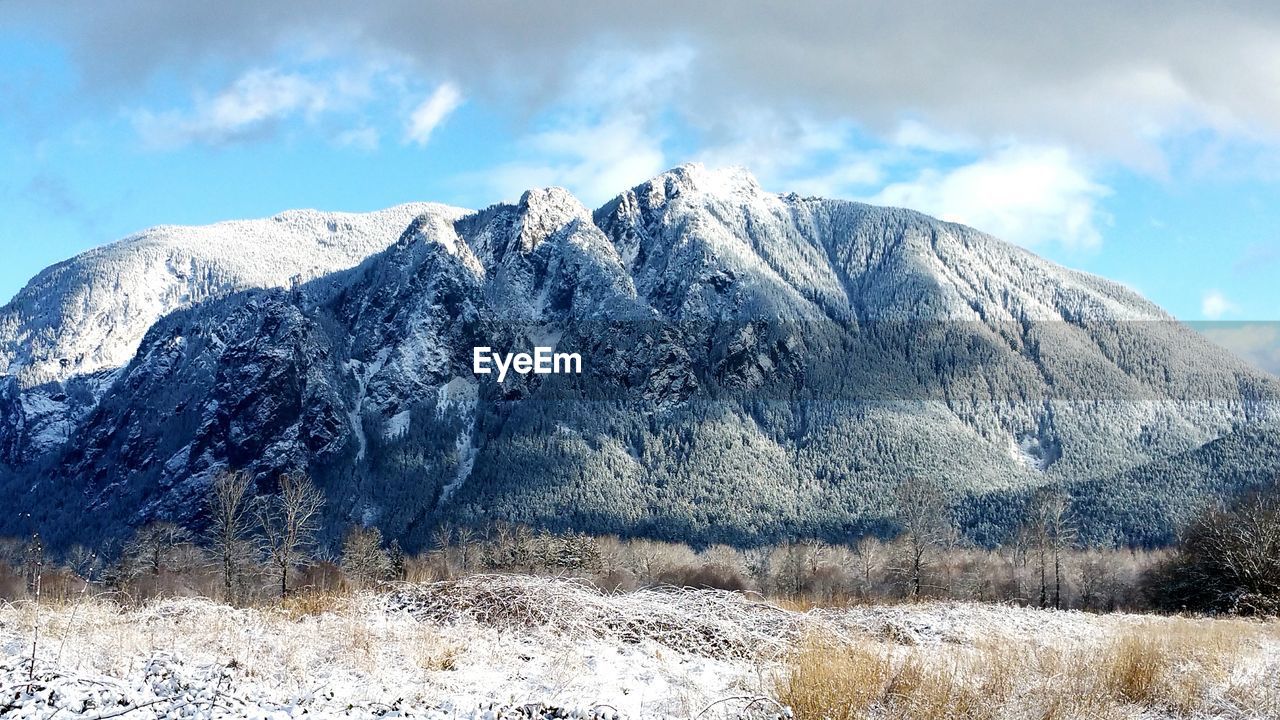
x=1142, y=147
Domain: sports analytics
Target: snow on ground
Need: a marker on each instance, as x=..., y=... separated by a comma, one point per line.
x=194, y=658
x=484, y=648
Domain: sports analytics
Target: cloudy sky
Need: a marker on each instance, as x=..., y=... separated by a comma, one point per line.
x=1137, y=140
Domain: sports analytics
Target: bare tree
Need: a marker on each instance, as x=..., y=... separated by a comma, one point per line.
x=1093, y=580
x=818, y=552
x=154, y=546
x=363, y=557
x=466, y=537
x=83, y=561
x=788, y=564
x=522, y=547
x=497, y=552
x=289, y=521
x=1016, y=552
x=924, y=518
x=611, y=555
x=33, y=563
x=442, y=541
x=868, y=554
x=229, y=528
x=1051, y=531
x=645, y=557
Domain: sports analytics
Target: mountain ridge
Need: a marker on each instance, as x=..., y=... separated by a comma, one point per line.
x=186, y=265
x=758, y=366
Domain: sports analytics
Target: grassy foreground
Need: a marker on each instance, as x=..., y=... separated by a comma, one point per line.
x=519, y=647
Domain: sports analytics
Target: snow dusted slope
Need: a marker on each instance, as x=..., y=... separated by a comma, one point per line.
x=756, y=366
x=90, y=312
x=994, y=330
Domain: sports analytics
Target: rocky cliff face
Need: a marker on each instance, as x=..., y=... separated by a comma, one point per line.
x=756, y=366
x=67, y=333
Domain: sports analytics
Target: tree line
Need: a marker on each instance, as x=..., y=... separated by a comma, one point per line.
x=264, y=547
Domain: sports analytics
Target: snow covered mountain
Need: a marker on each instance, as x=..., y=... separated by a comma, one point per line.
x=90, y=312
x=65, y=334
x=756, y=366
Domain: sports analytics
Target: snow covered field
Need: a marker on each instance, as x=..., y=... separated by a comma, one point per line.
x=490, y=647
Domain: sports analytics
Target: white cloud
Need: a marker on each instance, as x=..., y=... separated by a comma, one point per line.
x=1028, y=195
x=263, y=95
x=1214, y=305
x=431, y=112
x=782, y=151
x=255, y=100
x=848, y=174
x=361, y=138
x=594, y=161
x=1258, y=343
x=1113, y=80
x=605, y=135
x=917, y=135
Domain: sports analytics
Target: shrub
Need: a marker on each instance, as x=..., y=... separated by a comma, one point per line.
x=1228, y=561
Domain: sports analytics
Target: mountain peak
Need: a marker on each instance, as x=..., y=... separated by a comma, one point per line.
x=694, y=177
x=545, y=211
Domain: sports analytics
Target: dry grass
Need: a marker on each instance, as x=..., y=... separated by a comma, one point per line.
x=434, y=652
x=310, y=603
x=1166, y=668
x=829, y=680
x=1175, y=666
x=1135, y=668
